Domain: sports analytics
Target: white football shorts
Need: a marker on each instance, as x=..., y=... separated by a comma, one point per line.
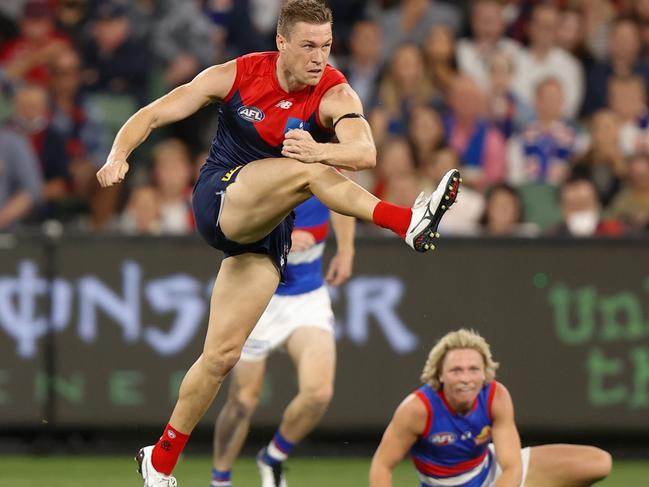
x=283, y=316
x=495, y=471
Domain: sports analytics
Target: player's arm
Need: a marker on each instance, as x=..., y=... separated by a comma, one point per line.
x=340, y=267
x=355, y=149
x=211, y=85
x=506, y=439
x=407, y=424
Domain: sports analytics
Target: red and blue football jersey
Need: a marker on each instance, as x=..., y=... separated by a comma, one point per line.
x=257, y=112
x=454, y=448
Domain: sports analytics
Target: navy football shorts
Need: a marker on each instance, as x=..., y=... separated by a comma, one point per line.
x=207, y=201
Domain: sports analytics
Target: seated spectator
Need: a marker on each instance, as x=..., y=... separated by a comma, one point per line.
x=571, y=34
x=142, y=213
x=182, y=41
x=463, y=217
x=21, y=183
x=505, y=108
x=581, y=213
x=542, y=152
x=234, y=33
x=503, y=213
x=404, y=86
x=628, y=99
x=31, y=118
x=631, y=205
x=622, y=60
x=172, y=175
x=544, y=59
x=396, y=178
x=71, y=19
x=363, y=66
x=411, y=20
x=441, y=62
x=481, y=146
x=475, y=55
x=603, y=163
x=85, y=138
x=426, y=132
x=115, y=61
x=27, y=56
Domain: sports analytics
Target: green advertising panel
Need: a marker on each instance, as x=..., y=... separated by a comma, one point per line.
x=568, y=322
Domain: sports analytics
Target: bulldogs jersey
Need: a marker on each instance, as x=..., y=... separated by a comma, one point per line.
x=303, y=272
x=257, y=112
x=453, y=449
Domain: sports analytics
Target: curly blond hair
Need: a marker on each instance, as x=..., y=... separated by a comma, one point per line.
x=461, y=338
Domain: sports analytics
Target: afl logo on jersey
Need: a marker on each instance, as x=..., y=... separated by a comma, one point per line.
x=442, y=439
x=251, y=114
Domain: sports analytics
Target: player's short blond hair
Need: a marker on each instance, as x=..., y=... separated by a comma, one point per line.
x=309, y=11
x=454, y=340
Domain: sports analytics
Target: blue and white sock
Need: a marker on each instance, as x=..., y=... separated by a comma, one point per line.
x=221, y=478
x=277, y=450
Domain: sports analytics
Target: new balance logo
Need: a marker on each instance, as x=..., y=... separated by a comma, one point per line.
x=285, y=104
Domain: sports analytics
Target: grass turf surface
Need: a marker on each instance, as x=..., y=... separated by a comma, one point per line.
x=67, y=471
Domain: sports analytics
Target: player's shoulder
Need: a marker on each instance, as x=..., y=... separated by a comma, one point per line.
x=500, y=400
x=258, y=63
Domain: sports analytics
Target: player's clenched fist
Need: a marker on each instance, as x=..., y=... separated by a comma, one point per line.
x=299, y=144
x=112, y=172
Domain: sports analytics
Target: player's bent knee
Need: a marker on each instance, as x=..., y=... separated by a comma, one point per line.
x=243, y=406
x=601, y=463
x=220, y=362
x=318, y=398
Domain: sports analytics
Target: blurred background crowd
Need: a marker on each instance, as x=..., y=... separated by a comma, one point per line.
x=541, y=104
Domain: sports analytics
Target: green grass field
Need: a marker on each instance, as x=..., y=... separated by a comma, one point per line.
x=194, y=472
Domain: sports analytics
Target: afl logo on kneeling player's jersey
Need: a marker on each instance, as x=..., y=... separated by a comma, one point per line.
x=442, y=439
x=251, y=114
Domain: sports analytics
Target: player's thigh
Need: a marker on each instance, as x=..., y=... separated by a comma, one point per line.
x=246, y=382
x=565, y=465
x=244, y=285
x=313, y=351
x=264, y=193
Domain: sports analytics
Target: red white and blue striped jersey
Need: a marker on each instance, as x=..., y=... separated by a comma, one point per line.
x=453, y=448
x=303, y=272
x=257, y=112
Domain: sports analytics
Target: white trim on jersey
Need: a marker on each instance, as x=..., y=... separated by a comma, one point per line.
x=458, y=479
x=305, y=256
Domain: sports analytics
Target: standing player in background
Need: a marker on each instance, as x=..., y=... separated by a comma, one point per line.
x=459, y=429
x=298, y=317
x=288, y=103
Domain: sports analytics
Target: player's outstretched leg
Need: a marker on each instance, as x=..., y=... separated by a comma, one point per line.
x=313, y=352
x=243, y=287
x=232, y=425
x=567, y=466
x=267, y=190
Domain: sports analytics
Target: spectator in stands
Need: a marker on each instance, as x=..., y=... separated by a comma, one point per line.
x=31, y=118
x=411, y=20
x=441, y=62
x=623, y=60
x=27, y=56
x=581, y=212
x=182, y=41
x=603, y=163
x=142, y=213
x=173, y=176
x=234, y=31
x=543, y=59
x=628, y=99
x=466, y=212
x=503, y=213
x=631, y=205
x=363, y=67
x=480, y=145
x=85, y=137
x=396, y=177
x=71, y=19
x=505, y=108
x=404, y=86
x=425, y=132
x=542, y=152
x=21, y=184
x=475, y=55
x=115, y=61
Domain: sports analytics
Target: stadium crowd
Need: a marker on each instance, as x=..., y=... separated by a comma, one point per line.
x=541, y=104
